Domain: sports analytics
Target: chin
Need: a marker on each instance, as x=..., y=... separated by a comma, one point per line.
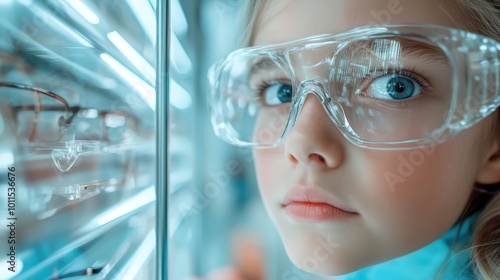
x=325, y=268
x=319, y=258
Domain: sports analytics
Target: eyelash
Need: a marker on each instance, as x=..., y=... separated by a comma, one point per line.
x=421, y=81
x=263, y=85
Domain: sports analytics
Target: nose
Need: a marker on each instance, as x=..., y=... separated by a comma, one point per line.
x=314, y=140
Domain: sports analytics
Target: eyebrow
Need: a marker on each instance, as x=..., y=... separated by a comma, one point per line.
x=398, y=46
x=421, y=49
x=262, y=63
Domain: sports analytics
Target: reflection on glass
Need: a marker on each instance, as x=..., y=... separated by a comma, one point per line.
x=44, y=116
x=84, y=272
x=29, y=105
x=80, y=135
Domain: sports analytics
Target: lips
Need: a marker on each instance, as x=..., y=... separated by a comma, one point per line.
x=314, y=205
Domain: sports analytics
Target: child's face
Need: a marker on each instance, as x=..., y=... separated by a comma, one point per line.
x=401, y=200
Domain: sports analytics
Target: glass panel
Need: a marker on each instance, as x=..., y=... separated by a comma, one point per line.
x=77, y=139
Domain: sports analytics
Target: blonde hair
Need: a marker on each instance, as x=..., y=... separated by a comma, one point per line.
x=483, y=17
x=253, y=11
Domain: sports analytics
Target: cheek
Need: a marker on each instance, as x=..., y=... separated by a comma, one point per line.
x=419, y=193
x=271, y=171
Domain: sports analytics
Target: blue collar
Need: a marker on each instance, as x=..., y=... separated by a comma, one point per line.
x=447, y=258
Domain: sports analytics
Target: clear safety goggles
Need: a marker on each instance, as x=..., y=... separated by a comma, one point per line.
x=395, y=86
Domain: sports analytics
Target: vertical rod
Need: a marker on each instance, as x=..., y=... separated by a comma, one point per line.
x=162, y=102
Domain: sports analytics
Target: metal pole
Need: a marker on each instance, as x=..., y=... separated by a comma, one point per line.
x=162, y=102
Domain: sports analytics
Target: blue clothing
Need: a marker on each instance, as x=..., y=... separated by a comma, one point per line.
x=436, y=259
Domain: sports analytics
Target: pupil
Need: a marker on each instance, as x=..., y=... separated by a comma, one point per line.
x=400, y=87
x=285, y=93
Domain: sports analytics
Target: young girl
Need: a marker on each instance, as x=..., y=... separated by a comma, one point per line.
x=377, y=149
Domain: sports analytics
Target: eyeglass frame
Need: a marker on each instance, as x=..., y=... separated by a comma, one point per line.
x=65, y=107
x=78, y=192
x=37, y=107
x=484, y=56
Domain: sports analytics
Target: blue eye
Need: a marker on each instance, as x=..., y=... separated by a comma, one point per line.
x=277, y=94
x=394, y=87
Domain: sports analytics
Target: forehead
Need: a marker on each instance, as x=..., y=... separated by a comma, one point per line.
x=285, y=20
